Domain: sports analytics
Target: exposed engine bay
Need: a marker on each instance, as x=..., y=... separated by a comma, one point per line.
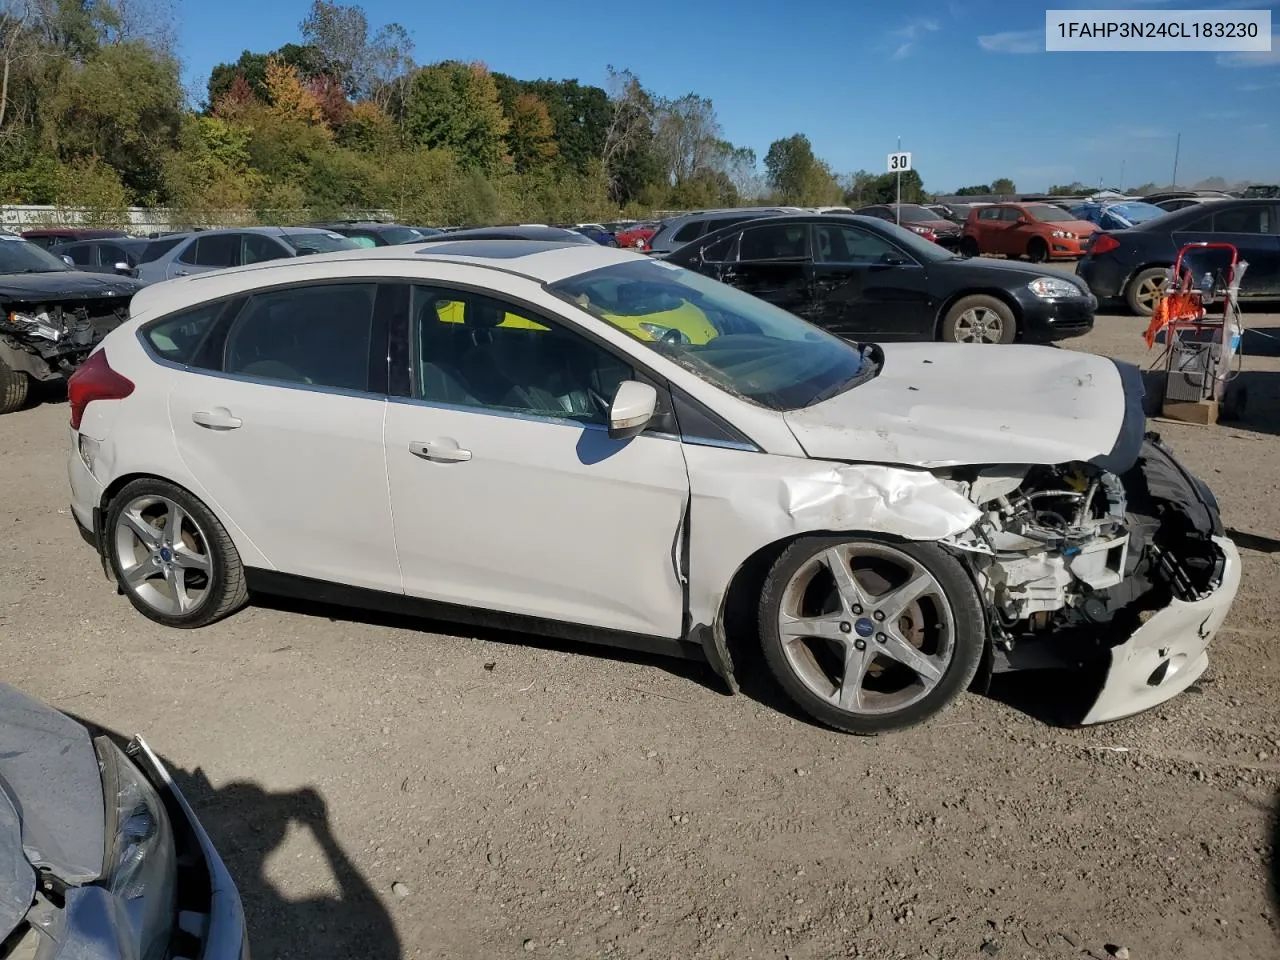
x=1078, y=550
x=50, y=339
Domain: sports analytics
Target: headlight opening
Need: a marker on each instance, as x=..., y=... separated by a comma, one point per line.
x=140, y=862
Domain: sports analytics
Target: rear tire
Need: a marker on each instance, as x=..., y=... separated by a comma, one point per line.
x=1141, y=292
x=14, y=385
x=164, y=545
x=1037, y=250
x=969, y=247
x=979, y=318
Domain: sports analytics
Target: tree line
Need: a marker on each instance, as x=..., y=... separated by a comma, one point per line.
x=93, y=115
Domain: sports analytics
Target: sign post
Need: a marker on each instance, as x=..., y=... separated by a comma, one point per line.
x=898, y=162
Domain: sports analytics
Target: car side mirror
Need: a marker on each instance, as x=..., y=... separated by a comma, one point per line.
x=632, y=409
x=1023, y=221
x=68, y=261
x=123, y=268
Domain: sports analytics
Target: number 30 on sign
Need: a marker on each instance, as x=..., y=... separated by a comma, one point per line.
x=899, y=162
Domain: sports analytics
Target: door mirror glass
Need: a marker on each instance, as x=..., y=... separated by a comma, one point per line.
x=68, y=261
x=123, y=267
x=633, y=407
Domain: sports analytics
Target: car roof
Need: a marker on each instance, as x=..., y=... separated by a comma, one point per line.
x=523, y=232
x=539, y=261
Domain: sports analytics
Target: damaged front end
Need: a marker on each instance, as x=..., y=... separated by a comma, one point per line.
x=1079, y=566
x=50, y=339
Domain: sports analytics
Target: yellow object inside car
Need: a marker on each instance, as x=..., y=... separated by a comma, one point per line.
x=686, y=319
x=453, y=311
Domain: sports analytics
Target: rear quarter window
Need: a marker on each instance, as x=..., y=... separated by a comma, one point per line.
x=176, y=338
x=158, y=248
x=690, y=231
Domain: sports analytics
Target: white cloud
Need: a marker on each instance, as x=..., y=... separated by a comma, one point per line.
x=1013, y=41
x=904, y=38
x=1253, y=58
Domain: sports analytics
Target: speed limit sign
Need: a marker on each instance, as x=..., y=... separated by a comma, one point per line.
x=899, y=162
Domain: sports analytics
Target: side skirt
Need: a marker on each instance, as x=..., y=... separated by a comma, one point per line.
x=322, y=591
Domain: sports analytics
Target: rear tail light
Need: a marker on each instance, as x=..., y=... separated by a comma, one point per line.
x=1103, y=243
x=95, y=380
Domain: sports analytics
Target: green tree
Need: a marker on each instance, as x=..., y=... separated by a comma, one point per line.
x=455, y=106
x=977, y=190
x=362, y=63
x=122, y=105
x=884, y=188
x=1004, y=187
x=799, y=177
x=531, y=137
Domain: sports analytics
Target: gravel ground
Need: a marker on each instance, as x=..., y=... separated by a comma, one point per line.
x=383, y=788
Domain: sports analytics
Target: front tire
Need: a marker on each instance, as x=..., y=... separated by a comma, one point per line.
x=868, y=635
x=979, y=319
x=14, y=385
x=171, y=556
x=1037, y=250
x=969, y=247
x=1144, y=289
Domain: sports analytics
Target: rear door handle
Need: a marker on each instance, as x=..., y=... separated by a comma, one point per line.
x=219, y=418
x=446, y=451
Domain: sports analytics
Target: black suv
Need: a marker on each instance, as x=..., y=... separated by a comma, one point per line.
x=1133, y=264
x=51, y=316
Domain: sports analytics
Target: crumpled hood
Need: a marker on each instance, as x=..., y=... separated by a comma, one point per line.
x=936, y=405
x=50, y=782
x=65, y=285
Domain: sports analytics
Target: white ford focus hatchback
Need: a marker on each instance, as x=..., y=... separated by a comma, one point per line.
x=585, y=442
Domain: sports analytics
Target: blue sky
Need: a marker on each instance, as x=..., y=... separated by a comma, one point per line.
x=965, y=83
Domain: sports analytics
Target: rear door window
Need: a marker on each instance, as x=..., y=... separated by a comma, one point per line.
x=317, y=335
x=690, y=231
x=1255, y=218
x=258, y=248
x=215, y=250
x=775, y=241
x=158, y=248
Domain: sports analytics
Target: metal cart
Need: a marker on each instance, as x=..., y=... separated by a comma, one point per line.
x=1202, y=355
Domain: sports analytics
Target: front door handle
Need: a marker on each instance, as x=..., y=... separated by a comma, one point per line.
x=441, y=451
x=219, y=418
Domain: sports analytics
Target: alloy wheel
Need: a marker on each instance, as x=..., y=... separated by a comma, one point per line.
x=162, y=555
x=1148, y=292
x=979, y=325
x=867, y=628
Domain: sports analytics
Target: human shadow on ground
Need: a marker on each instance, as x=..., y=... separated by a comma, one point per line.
x=247, y=823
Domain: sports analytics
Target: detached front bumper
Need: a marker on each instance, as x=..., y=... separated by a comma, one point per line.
x=1167, y=653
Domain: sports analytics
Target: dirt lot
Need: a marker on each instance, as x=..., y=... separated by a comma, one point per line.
x=385, y=789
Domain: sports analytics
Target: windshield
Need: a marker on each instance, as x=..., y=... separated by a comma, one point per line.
x=319, y=242
x=399, y=235
x=738, y=342
x=1135, y=212
x=23, y=256
x=916, y=245
x=910, y=213
x=1047, y=213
